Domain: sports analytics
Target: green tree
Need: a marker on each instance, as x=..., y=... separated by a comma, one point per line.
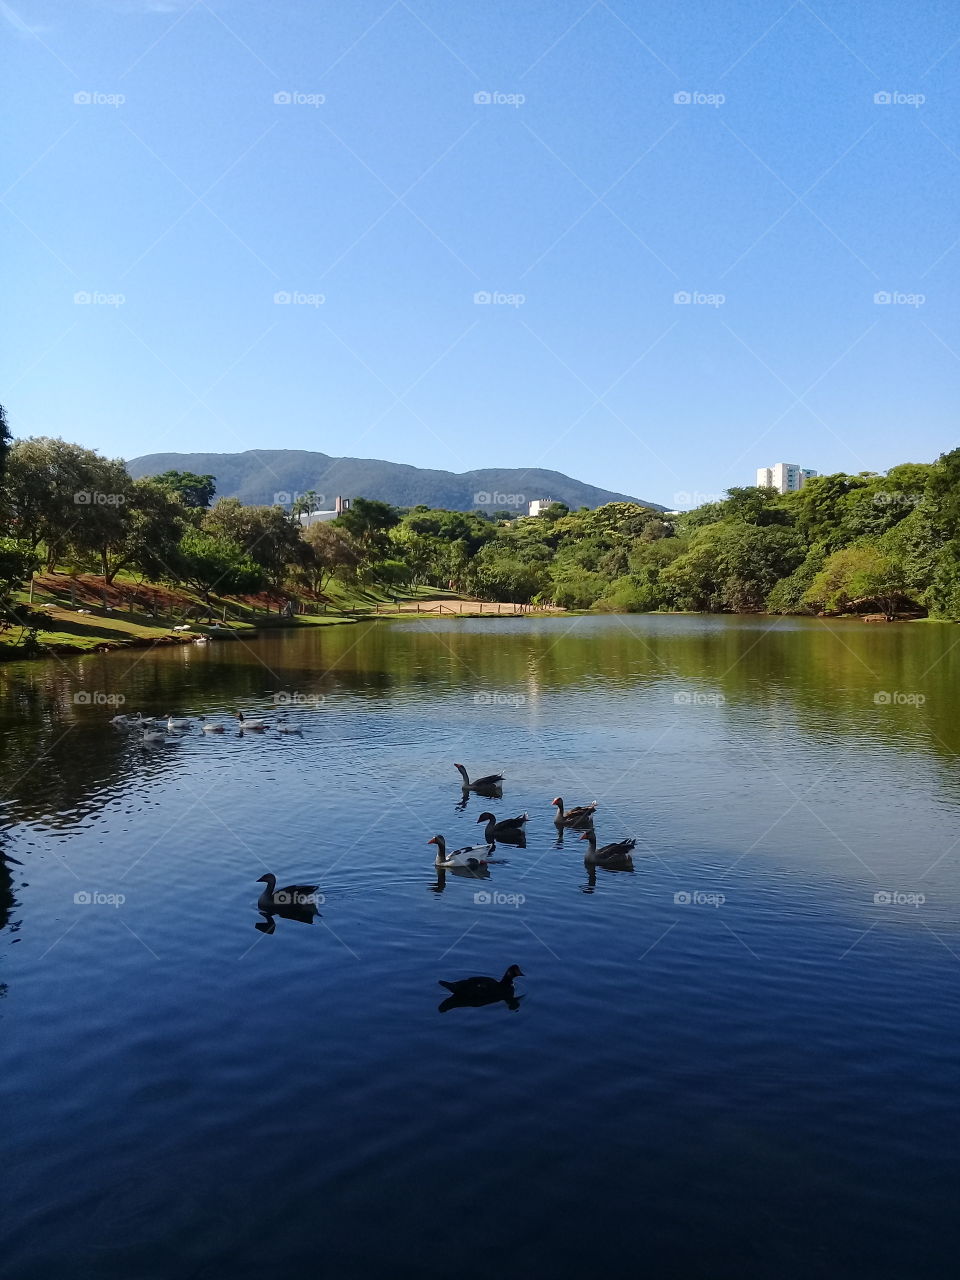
x=855, y=576
x=270, y=536
x=192, y=490
x=62, y=496
x=369, y=522
x=4, y=441
x=328, y=552
x=209, y=564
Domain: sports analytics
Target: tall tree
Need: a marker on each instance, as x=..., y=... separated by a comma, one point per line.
x=192, y=490
x=4, y=441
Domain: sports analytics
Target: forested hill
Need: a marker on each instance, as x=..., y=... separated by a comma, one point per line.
x=259, y=475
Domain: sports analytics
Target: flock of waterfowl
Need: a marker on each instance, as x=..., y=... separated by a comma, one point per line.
x=299, y=901
x=158, y=730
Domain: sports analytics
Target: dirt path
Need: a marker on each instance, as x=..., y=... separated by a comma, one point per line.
x=477, y=608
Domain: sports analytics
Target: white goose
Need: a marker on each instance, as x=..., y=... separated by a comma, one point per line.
x=254, y=726
x=177, y=726
x=473, y=858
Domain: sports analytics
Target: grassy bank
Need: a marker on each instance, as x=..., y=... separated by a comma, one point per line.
x=81, y=614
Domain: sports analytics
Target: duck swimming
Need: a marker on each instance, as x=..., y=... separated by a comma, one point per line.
x=491, y=781
x=293, y=901
x=614, y=856
x=573, y=819
x=474, y=993
x=473, y=858
x=252, y=726
x=509, y=830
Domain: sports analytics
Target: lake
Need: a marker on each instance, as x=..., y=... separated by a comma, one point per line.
x=740, y=1060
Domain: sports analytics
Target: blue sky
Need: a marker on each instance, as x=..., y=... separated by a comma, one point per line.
x=583, y=197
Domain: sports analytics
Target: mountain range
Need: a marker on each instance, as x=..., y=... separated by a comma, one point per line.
x=281, y=475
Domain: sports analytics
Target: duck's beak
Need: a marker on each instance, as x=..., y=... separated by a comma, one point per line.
x=432, y=840
x=263, y=880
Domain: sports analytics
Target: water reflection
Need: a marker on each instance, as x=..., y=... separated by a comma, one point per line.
x=462, y=873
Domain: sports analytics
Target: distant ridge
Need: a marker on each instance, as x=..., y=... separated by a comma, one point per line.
x=260, y=475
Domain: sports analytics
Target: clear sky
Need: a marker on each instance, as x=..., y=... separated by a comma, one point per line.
x=583, y=196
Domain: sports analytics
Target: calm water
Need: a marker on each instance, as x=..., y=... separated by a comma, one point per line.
x=738, y=1061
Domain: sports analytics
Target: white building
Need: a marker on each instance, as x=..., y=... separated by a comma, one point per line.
x=308, y=518
x=539, y=505
x=785, y=477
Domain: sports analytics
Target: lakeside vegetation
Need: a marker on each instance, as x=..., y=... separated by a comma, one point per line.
x=146, y=551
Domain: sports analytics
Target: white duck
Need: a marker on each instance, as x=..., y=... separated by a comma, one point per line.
x=210, y=727
x=153, y=738
x=254, y=726
x=473, y=857
x=177, y=726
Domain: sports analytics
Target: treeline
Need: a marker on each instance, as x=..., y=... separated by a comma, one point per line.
x=844, y=543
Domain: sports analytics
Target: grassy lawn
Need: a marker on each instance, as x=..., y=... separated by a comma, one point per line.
x=82, y=615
